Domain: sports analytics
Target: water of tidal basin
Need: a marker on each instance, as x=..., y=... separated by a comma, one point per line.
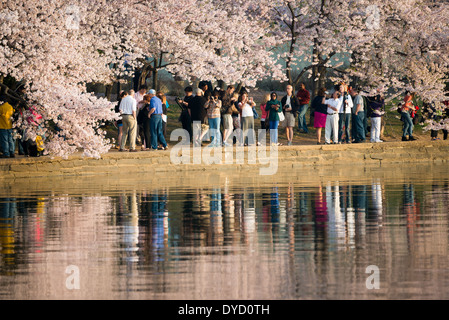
x=297, y=235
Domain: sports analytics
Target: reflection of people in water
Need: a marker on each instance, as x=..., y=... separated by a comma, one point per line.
x=360, y=205
x=411, y=210
x=228, y=213
x=275, y=205
x=216, y=218
x=336, y=224
x=159, y=224
x=249, y=213
x=320, y=208
x=375, y=215
x=8, y=210
x=290, y=211
x=130, y=220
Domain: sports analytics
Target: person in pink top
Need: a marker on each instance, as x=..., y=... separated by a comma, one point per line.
x=264, y=115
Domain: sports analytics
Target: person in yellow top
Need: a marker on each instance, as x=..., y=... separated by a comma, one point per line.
x=7, y=143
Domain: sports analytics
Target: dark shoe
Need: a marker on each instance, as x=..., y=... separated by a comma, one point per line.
x=133, y=150
x=411, y=138
x=405, y=139
x=12, y=156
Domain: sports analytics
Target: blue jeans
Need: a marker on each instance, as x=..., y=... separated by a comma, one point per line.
x=302, y=123
x=274, y=125
x=408, y=124
x=156, y=131
x=360, y=134
x=344, y=120
x=215, y=136
x=7, y=143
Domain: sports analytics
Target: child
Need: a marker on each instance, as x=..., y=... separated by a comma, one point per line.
x=264, y=116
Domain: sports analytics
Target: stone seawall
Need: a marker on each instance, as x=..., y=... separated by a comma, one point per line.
x=288, y=157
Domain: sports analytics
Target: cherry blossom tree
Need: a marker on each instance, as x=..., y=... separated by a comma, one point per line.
x=56, y=48
x=208, y=40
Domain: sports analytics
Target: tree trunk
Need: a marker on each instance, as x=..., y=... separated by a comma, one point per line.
x=144, y=75
x=155, y=75
x=108, y=91
x=221, y=84
x=315, y=81
x=155, y=80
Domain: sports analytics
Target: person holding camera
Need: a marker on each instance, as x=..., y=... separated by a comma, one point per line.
x=274, y=107
x=185, y=117
x=213, y=107
x=246, y=106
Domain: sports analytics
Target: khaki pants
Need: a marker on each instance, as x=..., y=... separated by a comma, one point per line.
x=129, y=130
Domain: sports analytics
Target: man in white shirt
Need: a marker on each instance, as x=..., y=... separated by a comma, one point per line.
x=139, y=95
x=345, y=113
x=333, y=107
x=128, y=109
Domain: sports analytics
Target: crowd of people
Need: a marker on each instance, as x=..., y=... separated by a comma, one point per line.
x=28, y=142
x=144, y=118
x=225, y=117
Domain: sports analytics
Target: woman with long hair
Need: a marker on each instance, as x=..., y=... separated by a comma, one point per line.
x=246, y=106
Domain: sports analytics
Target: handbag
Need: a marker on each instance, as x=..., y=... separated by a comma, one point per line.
x=281, y=116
